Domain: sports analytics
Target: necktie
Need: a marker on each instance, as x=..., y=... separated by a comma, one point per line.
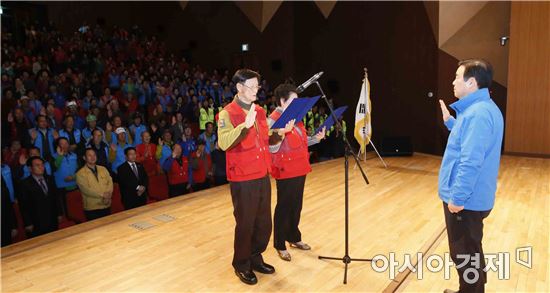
x=43, y=185
x=134, y=168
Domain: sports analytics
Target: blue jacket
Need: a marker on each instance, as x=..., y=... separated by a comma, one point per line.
x=120, y=157
x=208, y=142
x=6, y=174
x=468, y=174
x=165, y=154
x=136, y=132
x=38, y=141
x=65, y=166
x=188, y=146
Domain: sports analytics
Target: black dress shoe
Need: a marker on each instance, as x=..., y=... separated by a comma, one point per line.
x=247, y=277
x=264, y=268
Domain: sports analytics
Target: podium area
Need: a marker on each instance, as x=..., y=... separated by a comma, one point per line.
x=186, y=243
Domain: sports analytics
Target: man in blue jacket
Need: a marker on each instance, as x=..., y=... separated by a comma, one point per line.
x=468, y=174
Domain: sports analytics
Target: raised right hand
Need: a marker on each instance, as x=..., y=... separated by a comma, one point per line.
x=444, y=111
x=250, y=117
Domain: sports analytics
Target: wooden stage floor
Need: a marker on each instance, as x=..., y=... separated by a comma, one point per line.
x=398, y=212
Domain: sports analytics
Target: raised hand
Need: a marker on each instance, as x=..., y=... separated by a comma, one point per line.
x=319, y=136
x=250, y=117
x=288, y=127
x=444, y=111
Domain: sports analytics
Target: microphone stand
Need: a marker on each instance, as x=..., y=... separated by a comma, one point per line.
x=346, y=259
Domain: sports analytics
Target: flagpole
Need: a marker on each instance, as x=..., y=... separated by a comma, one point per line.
x=365, y=120
x=366, y=101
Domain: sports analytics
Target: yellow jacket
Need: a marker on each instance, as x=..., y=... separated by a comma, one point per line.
x=92, y=189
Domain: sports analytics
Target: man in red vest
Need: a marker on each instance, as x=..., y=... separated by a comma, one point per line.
x=244, y=135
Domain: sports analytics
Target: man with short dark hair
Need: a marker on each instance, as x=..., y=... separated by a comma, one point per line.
x=133, y=181
x=43, y=137
x=38, y=197
x=469, y=170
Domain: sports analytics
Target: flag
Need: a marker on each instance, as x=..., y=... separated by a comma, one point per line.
x=363, y=128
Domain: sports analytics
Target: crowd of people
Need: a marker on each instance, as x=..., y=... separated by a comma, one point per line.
x=81, y=111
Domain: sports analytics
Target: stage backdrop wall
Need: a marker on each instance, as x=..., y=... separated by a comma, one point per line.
x=394, y=40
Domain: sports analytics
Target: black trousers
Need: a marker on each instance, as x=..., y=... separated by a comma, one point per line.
x=290, y=196
x=177, y=189
x=252, y=211
x=465, y=233
x=96, y=214
x=134, y=201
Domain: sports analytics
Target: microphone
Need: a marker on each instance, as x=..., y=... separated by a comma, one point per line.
x=308, y=82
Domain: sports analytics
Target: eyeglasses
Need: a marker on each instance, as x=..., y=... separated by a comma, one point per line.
x=257, y=87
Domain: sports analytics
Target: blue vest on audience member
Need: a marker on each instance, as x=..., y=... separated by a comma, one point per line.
x=6, y=174
x=76, y=134
x=38, y=141
x=137, y=130
x=120, y=157
x=188, y=146
x=87, y=133
x=27, y=170
x=68, y=167
x=208, y=142
x=165, y=154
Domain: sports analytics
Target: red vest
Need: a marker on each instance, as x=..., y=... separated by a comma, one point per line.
x=179, y=174
x=250, y=159
x=292, y=159
x=199, y=174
